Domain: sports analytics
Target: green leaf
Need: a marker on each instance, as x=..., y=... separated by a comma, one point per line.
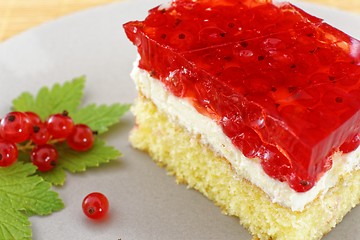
x=23, y=194
x=24, y=102
x=79, y=161
x=74, y=161
x=100, y=118
x=56, y=176
x=13, y=224
x=55, y=100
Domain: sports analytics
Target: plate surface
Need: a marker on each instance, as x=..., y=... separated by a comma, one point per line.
x=145, y=202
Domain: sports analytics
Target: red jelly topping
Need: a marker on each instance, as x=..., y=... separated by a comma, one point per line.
x=284, y=85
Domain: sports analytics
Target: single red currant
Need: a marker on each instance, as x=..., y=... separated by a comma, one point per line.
x=8, y=153
x=81, y=138
x=40, y=135
x=95, y=205
x=15, y=127
x=33, y=118
x=45, y=157
x=59, y=125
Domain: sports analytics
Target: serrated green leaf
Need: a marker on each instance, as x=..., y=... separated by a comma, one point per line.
x=74, y=161
x=14, y=225
x=26, y=191
x=22, y=192
x=24, y=102
x=56, y=176
x=100, y=118
x=55, y=100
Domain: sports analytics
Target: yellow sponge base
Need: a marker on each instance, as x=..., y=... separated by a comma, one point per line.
x=195, y=164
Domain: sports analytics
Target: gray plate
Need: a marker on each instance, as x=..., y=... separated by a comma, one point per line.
x=145, y=202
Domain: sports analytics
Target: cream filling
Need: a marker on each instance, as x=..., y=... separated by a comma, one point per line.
x=181, y=111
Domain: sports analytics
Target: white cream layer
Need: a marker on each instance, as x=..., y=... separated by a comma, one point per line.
x=186, y=115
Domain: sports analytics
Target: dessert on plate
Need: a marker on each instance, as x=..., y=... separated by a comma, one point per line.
x=256, y=105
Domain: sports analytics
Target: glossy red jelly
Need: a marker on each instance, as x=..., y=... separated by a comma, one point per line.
x=284, y=85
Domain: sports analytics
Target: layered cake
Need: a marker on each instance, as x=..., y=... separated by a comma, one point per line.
x=256, y=105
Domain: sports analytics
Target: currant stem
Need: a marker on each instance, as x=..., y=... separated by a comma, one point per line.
x=28, y=146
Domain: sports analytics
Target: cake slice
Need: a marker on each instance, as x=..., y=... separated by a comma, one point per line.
x=256, y=105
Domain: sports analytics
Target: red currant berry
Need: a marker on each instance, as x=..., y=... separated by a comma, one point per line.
x=81, y=138
x=8, y=153
x=15, y=127
x=95, y=205
x=44, y=157
x=33, y=118
x=40, y=135
x=59, y=125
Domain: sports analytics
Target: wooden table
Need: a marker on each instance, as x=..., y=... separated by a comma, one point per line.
x=19, y=15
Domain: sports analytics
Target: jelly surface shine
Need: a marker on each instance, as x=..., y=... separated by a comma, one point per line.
x=284, y=85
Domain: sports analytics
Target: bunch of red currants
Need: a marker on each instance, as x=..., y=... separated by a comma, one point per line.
x=40, y=136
